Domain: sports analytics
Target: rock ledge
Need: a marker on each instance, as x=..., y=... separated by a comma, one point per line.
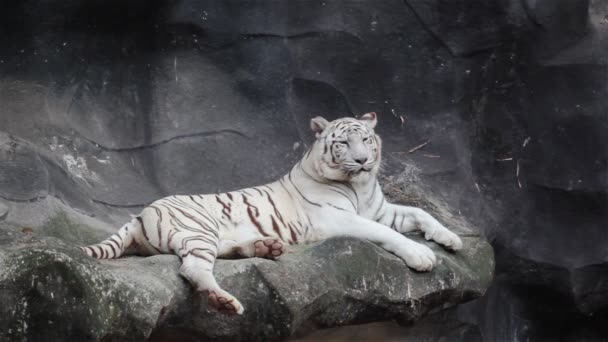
x=51, y=291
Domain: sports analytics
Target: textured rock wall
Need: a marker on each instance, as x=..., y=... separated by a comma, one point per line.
x=110, y=104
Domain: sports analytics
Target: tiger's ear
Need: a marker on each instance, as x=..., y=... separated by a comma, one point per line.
x=318, y=125
x=369, y=119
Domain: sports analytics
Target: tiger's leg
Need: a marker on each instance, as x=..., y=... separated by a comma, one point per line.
x=198, y=253
x=405, y=219
x=269, y=248
x=331, y=222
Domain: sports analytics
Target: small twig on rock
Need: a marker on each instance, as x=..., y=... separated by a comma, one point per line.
x=504, y=159
x=517, y=174
x=418, y=147
x=432, y=155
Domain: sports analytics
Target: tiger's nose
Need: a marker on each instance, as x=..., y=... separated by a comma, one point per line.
x=361, y=160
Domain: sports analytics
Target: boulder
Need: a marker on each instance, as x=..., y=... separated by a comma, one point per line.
x=51, y=291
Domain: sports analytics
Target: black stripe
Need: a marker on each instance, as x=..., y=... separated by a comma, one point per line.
x=93, y=253
x=402, y=217
x=276, y=211
x=203, y=211
x=333, y=156
x=158, y=227
x=178, y=203
x=299, y=192
x=169, y=239
x=107, y=243
x=119, y=243
x=200, y=256
x=342, y=193
x=294, y=237
x=275, y=227
x=225, y=206
x=308, y=152
x=285, y=188
x=252, y=216
x=339, y=191
x=200, y=223
x=181, y=224
x=143, y=230
x=188, y=239
x=308, y=174
x=102, y=255
x=306, y=227
x=350, y=186
x=373, y=194
x=331, y=205
x=378, y=210
x=199, y=209
x=199, y=238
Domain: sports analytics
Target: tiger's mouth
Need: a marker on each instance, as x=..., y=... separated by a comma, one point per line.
x=356, y=171
x=351, y=170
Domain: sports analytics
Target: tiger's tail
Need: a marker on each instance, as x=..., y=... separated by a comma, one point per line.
x=116, y=245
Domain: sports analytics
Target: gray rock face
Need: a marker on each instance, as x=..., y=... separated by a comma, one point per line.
x=51, y=291
x=108, y=105
x=3, y=210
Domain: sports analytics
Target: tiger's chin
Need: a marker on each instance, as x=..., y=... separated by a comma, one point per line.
x=362, y=176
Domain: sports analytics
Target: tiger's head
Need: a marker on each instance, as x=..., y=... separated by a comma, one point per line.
x=346, y=149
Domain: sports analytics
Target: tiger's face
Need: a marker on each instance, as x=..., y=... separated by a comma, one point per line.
x=347, y=149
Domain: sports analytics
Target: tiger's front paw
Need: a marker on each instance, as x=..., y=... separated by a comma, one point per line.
x=419, y=257
x=444, y=237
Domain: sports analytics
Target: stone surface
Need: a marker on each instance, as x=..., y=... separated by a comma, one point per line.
x=443, y=326
x=3, y=211
x=107, y=105
x=51, y=291
x=591, y=289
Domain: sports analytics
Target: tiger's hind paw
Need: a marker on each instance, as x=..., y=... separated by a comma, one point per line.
x=269, y=248
x=225, y=303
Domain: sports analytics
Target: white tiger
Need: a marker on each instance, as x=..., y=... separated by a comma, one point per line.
x=332, y=191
